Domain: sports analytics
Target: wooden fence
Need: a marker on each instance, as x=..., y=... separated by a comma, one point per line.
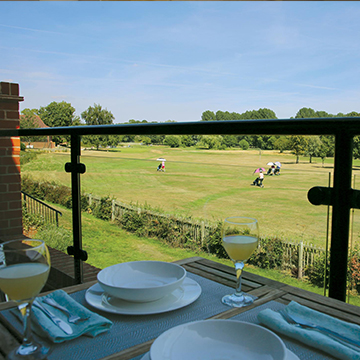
x=295, y=255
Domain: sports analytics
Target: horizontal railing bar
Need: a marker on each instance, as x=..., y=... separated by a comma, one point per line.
x=314, y=126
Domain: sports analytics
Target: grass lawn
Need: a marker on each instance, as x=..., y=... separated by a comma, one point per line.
x=210, y=184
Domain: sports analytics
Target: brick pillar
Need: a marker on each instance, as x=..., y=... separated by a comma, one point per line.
x=10, y=181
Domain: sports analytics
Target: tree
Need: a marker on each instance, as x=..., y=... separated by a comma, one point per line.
x=281, y=143
x=312, y=147
x=211, y=141
x=28, y=121
x=306, y=113
x=208, y=116
x=172, y=141
x=59, y=114
x=298, y=145
x=96, y=115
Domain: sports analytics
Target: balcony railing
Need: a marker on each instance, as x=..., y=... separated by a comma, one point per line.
x=341, y=196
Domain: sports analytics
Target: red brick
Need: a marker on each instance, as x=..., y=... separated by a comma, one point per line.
x=2, y=114
x=16, y=152
x=9, y=105
x=13, y=169
x=9, y=179
x=4, y=206
x=8, y=124
x=12, y=114
x=14, y=187
x=3, y=188
x=10, y=197
x=5, y=88
x=14, y=89
x=15, y=205
x=16, y=222
x=9, y=160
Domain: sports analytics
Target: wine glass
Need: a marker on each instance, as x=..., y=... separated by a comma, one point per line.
x=24, y=269
x=240, y=237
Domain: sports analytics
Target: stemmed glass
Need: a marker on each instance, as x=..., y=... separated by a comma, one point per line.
x=24, y=269
x=240, y=237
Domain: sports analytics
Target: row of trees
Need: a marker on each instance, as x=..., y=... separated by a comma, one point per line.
x=63, y=114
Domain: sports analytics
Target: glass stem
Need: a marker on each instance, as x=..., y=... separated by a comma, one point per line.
x=25, y=310
x=239, y=266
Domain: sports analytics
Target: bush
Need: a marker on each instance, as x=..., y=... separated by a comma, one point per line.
x=315, y=273
x=213, y=243
x=269, y=255
x=27, y=156
x=102, y=209
x=244, y=145
x=52, y=192
x=31, y=221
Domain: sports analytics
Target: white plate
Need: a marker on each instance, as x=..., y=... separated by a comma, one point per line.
x=186, y=294
x=289, y=356
x=218, y=339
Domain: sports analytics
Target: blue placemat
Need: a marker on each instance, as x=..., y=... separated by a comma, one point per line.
x=128, y=331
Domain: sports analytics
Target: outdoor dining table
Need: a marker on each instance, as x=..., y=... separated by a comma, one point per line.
x=131, y=336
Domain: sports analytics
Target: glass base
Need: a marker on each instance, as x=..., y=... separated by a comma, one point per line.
x=235, y=300
x=35, y=351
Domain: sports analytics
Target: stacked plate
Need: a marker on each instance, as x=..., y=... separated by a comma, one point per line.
x=219, y=339
x=142, y=288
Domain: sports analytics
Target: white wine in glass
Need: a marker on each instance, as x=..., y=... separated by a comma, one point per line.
x=240, y=238
x=24, y=270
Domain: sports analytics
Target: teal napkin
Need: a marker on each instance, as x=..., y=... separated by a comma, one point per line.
x=44, y=327
x=314, y=338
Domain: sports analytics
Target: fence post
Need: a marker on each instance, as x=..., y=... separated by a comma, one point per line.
x=300, y=259
x=90, y=200
x=202, y=232
x=112, y=210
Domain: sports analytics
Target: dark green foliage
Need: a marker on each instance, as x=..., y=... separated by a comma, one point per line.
x=213, y=243
x=51, y=191
x=102, y=209
x=269, y=255
x=315, y=273
x=31, y=221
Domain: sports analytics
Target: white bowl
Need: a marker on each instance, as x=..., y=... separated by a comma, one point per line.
x=141, y=281
x=218, y=339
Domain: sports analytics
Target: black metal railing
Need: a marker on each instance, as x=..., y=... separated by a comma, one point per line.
x=341, y=197
x=36, y=206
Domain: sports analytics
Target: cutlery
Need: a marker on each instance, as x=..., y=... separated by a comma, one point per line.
x=66, y=328
x=295, y=320
x=72, y=318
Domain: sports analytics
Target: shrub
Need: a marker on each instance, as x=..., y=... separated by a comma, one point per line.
x=315, y=273
x=213, y=243
x=269, y=255
x=31, y=221
x=102, y=209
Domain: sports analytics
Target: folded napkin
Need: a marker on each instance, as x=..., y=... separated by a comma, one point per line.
x=43, y=326
x=276, y=322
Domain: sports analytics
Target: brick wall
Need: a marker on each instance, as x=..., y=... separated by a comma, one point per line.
x=10, y=181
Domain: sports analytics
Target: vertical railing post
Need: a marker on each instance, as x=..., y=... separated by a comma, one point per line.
x=340, y=215
x=76, y=168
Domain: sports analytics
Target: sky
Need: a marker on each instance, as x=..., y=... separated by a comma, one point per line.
x=162, y=61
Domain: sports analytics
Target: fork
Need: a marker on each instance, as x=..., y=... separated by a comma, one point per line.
x=72, y=318
x=294, y=320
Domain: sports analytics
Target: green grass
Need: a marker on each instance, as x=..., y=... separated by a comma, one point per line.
x=206, y=184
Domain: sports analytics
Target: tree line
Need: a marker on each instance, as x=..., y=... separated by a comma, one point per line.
x=63, y=114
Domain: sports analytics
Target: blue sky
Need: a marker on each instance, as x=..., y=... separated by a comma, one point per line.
x=173, y=60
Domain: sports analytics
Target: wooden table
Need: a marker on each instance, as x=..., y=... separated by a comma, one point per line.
x=264, y=289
